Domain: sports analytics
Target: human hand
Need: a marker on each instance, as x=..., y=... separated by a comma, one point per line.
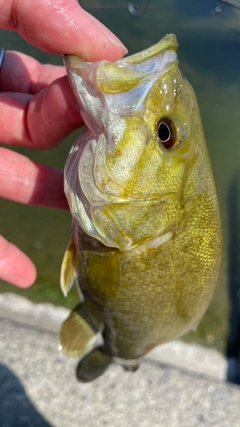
x=37, y=107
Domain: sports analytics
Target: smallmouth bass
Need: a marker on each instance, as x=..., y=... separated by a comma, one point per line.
x=146, y=241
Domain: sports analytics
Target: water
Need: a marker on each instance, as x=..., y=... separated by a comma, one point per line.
x=208, y=32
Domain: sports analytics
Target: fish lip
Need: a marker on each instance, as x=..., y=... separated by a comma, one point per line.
x=70, y=60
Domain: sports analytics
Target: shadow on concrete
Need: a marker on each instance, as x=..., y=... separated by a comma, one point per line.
x=16, y=410
x=233, y=341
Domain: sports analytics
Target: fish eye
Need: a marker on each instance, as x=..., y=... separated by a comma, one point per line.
x=167, y=133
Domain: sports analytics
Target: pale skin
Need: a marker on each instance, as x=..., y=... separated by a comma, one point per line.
x=37, y=107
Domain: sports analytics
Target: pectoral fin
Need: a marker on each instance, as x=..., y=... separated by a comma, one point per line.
x=69, y=267
x=78, y=333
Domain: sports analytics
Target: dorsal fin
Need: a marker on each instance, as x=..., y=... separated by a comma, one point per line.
x=69, y=267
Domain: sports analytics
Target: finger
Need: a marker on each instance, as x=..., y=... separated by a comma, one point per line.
x=24, y=74
x=39, y=121
x=15, y=266
x=60, y=26
x=25, y=181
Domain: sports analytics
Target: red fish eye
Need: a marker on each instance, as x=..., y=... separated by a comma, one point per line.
x=166, y=133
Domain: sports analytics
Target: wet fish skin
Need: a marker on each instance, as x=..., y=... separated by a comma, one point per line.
x=146, y=237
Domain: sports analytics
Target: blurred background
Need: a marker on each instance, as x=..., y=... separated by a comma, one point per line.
x=208, y=33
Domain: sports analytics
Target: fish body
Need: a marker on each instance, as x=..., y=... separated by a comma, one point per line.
x=146, y=240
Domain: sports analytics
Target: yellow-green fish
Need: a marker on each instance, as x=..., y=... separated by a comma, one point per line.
x=146, y=240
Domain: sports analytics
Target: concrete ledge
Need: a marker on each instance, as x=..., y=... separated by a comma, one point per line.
x=177, y=385
x=44, y=316
x=193, y=357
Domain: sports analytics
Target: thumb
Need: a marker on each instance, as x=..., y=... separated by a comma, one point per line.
x=60, y=26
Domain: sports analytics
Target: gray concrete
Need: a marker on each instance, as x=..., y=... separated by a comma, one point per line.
x=178, y=385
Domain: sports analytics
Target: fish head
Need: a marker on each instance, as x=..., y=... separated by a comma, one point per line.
x=132, y=167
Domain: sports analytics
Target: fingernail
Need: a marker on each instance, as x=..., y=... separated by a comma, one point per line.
x=108, y=34
x=115, y=40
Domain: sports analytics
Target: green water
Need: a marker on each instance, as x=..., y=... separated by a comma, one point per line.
x=209, y=54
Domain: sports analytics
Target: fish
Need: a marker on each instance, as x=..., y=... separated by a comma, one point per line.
x=145, y=247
